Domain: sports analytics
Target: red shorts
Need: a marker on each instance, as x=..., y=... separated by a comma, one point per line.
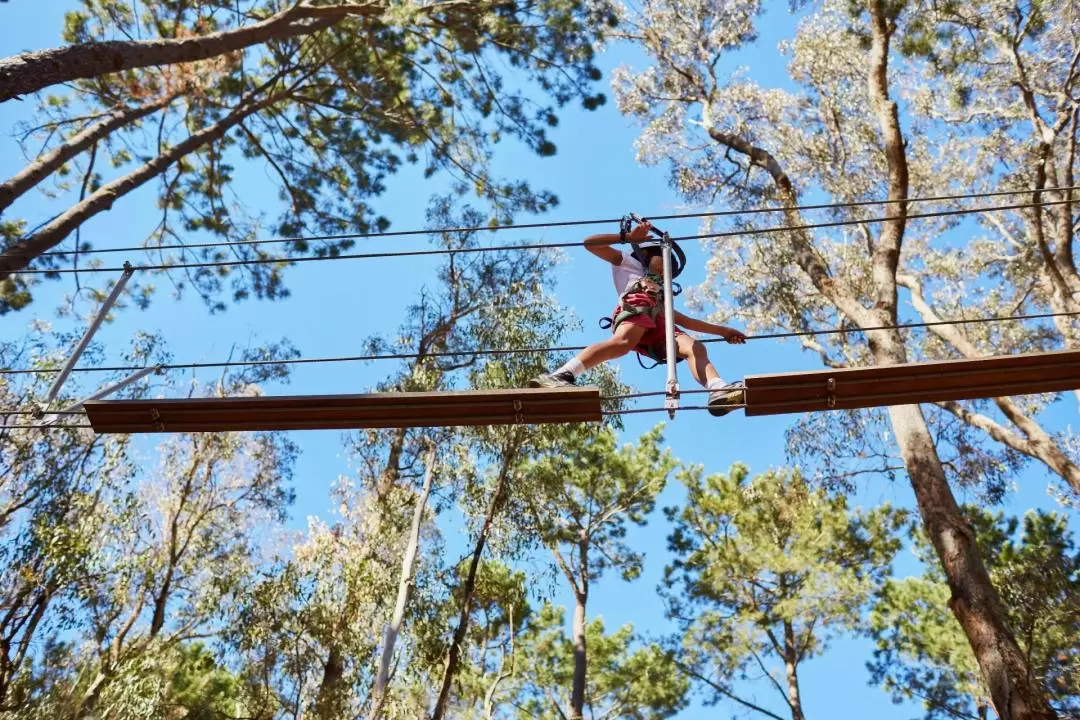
x=653, y=342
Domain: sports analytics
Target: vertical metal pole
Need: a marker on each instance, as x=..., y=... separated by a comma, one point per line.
x=88, y=335
x=671, y=400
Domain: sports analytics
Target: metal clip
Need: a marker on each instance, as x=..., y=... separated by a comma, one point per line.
x=156, y=417
x=830, y=389
x=517, y=406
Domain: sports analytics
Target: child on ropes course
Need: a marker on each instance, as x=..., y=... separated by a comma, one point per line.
x=638, y=321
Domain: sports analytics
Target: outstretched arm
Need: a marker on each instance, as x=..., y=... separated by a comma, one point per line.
x=732, y=335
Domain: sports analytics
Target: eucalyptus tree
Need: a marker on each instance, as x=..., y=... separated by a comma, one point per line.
x=500, y=615
x=53, y=484
x=173, y=554
x=766, y=572
x=497, y=485
x=330, y=99
x=851, y=131
x=921, y=651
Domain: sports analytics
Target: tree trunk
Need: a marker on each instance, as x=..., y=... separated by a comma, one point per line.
x=489, y=698
x=453, y=655
x=89, y=700
x=10, y=666
x=404, y=584
x=21, y=254
x=22, y=181
x=974, y=600
x=577, y=690
x=328, y=701
x=791, y=669
x=31, y=71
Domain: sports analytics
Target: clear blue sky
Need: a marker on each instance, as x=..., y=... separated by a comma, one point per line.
x=595, y=175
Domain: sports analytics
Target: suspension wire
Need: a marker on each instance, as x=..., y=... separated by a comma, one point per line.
x=903, y=326
x=537, y=225
x=535, y=246
x=525, y=351
x=35, y=412
x=604, y=413
x=635, y=411
x=655, y=393
x=43, y=427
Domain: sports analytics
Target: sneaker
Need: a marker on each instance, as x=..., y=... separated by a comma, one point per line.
x=724, y=400
x=558, y=380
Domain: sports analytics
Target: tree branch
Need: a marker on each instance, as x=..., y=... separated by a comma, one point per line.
x=31, y=71
x=887, y=253
x=806, y=256
x=21, y=254
x=49, y=162
x=688, y=670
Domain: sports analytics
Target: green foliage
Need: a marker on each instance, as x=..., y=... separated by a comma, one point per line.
x=922, y=652
x=199, y=687
x=433, y=85
x=767, y=570
x=501, y=615
x=627, y=679
x=14, y=291
x=588, y=489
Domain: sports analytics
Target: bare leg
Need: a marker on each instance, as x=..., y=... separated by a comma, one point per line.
x=697, y=358
x=623, y=340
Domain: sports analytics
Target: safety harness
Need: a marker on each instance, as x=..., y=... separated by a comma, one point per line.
x=645, y=295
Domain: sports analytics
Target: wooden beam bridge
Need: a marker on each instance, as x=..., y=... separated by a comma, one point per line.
x=344, y=412
x=765, y=395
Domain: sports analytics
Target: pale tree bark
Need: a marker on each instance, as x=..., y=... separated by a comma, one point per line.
x=791, y=672
x=27, y=178
x=579, y=584
x=887, y=252
x=19, y=255
x=974, y=602
x=501, y=675
x=453, y=654
x=31, y=71
x=408, y=562
x=581, y=657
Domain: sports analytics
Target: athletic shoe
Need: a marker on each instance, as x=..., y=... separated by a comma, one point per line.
x=557, y=380
x=725, y=399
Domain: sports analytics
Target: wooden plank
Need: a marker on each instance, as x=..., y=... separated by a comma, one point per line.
x=913, y=383
x=373, y=410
